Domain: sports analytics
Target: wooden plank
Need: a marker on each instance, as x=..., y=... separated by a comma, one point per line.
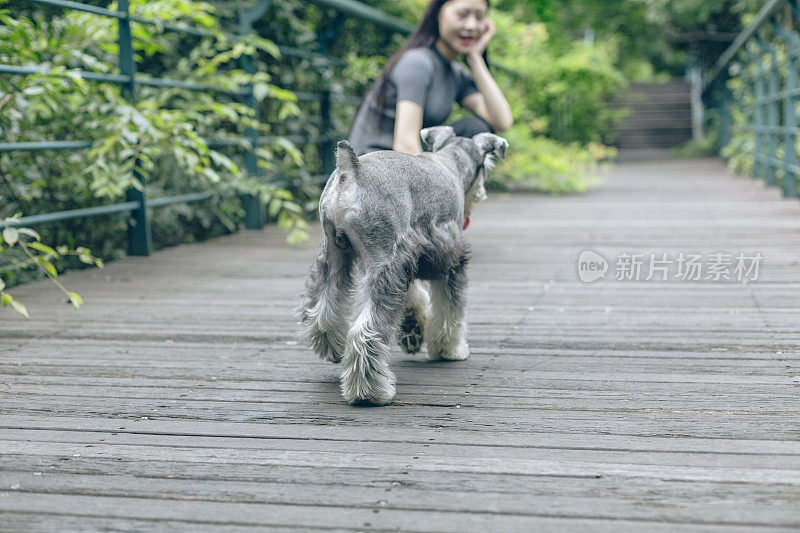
x=302, y=517
x=614, y=405
x=402, y=450
x=391, y=433
x=719, y=506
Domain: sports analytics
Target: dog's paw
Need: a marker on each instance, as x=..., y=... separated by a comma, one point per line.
x=411, y=333
x=373, y=385
x=456, y=351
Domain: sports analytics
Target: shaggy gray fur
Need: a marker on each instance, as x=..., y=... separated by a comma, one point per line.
x=388, y=219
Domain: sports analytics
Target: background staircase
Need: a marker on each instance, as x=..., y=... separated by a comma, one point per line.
x=660, y=118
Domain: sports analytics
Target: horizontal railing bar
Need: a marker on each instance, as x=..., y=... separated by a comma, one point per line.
x=305, y=54
x=315, y=97
x=74, y=213
x=78, y=6
x=777, y=96
x=245, y=141
x=774, y=129
x=96, y=76
x=764, y=14
x=121, y=78
x=351, y=7
x=165, y=82
x=775, y=162
x=104, y=210
x=44, y=145
x=189, y=85
x=292, y=138
x=182, y=198
x=117, y=78
x=319, y=179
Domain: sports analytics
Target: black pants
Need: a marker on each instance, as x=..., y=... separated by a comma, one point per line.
x=472, y=125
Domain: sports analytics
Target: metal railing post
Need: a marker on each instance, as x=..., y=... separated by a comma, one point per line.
x=770, y=102
x=759, y=114
x=789, y=183
x=790, y=97
x=140, y=236
x=254, y=211
x=725, y=116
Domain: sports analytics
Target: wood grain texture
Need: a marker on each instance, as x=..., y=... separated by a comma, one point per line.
x=179, y=397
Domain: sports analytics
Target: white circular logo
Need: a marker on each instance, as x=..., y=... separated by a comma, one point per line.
x=591, y=266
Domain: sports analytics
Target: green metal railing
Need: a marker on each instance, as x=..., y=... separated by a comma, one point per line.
x=764, y=56
x=137, y=203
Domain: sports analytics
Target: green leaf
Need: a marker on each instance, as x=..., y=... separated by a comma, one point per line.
x=46, y=265
x=260, y=91
x=43, y=248
x=275, y=206
x=29, y=232
x=5, y=299
x=76, y=300
x=19, y=308
x=10, y=235
x=296, y=236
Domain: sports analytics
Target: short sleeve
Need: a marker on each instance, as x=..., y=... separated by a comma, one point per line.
x=412, y=75
x=466, y=85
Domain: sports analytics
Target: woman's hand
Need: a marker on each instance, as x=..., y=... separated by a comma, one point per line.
x=476, y=50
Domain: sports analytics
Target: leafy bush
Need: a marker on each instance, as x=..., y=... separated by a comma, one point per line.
x=538, y=163
x=163, y=135
x=565, y=91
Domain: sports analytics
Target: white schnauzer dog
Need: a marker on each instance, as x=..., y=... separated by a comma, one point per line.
x=389, y=220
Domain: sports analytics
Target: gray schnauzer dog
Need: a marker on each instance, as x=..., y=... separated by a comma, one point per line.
x=389, y=220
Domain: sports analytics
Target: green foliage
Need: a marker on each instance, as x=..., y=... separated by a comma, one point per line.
x=25, y=244
x=654, y=37
x=692, y=149
x=567, y=89
x=162, y=135
x=538, y=163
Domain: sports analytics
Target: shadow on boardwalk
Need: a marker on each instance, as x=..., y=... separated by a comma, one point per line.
x=178, y=397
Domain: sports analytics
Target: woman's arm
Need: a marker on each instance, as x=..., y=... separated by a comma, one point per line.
x=489, y=103
x=407, y=125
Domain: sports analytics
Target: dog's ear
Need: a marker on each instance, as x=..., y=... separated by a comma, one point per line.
x=346, y=158
x=436, y=137
x=489, y=143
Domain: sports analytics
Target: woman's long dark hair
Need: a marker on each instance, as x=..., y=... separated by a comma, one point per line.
x=425, y=36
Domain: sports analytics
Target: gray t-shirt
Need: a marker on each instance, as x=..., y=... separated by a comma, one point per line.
x=422, y=75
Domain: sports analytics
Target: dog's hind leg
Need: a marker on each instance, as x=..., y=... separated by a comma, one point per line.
x=326, y=305
x=447, y=328
x=366, y=377
x=412, y=329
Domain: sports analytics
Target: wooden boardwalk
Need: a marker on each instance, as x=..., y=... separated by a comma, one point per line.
x=178, y=398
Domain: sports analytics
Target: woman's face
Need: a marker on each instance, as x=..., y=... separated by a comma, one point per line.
x=461, y=22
